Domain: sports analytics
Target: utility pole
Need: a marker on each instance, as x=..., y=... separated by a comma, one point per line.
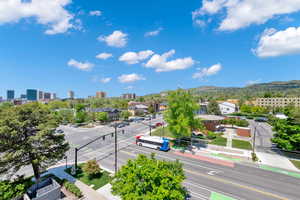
x=76, y=151
x=254, y=140
x=150, y=125
x=116, y=150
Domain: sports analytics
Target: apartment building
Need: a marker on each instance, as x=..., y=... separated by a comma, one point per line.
x=277, y=102
x=100, y=94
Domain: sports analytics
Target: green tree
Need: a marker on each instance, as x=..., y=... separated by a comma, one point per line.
x=81, y=117
x=79, y=107
x=149, y=178
x=213, y=108
x=102, y=116
x=65, y=116
x=125, y=114
x=5, y=105
x=151, y=109
x=91, y=168
x=58, y=104
x=180, y=114
x=245, y=109
x=28, y=137
x=287, y=134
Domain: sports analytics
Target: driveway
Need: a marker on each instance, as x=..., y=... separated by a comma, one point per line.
x=264, y=134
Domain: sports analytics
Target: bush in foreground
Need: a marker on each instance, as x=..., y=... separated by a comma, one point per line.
x=149, y=178
x=92, y=168
x=72, y=188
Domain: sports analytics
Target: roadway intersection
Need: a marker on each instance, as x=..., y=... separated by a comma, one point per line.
x=203, y=179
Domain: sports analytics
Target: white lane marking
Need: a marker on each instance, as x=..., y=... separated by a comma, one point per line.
x=198, y=196
x=185, y=162
x=211, y=190
x=212, y=173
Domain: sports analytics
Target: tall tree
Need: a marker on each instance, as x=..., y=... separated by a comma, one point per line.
x=180, y=114
x=148, y=178
x=27, y=137
x=125, y=114
x=213, y=108
x=102, y=116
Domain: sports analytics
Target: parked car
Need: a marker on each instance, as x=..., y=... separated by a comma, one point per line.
x=59, y=131
x=158, y=124
x=261, y=119
x=126, y=123
x=121, y=125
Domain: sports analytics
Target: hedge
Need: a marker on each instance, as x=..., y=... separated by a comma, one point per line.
x=72, y=188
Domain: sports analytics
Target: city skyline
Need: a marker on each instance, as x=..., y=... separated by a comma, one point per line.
x=103, y=47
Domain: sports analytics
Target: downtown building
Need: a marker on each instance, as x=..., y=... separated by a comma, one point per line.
x=278, y=102
x=100, y=95
x=129, y=96
x=10, y=95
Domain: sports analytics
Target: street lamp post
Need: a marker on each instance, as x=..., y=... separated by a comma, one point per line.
x=150, y=125
x=66, y=157
x=254, y=137
x=116, y=149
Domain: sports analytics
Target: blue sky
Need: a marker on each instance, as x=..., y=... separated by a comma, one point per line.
x=145, y=46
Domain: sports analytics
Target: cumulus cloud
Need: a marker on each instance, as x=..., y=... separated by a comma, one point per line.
x=252, y=82
x=153, y=33
x=133, y=57
x=95, y=13
x=214, y=69
x=116, y=39
x=104, y=56
x=105, y=80
x=277, y=43
x=243, y=13
x=130, y=78
x=160, y=63
x=50, y=13
x=84, y=66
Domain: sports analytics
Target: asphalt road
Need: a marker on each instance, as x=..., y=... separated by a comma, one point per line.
x=202, y=178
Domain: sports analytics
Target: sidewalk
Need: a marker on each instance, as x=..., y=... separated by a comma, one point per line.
x=87, y=191
x=276, y=161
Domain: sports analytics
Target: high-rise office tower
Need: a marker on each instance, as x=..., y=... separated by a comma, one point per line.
x=10, y=94
x=32, y=94
x=71, y=94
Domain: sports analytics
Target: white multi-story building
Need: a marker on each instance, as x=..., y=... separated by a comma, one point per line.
x=277, y=102
x=227, y=108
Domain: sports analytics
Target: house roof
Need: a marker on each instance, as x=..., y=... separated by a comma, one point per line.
x=109, y=110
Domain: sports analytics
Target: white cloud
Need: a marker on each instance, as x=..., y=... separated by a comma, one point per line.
x=128, y=87
x=133, y=57
x=84, y=66
x=252, y=82
x=105, y=80
x=207, y=71
x=95, y=13
x=153, y=33
x=130, y=78
x=276, y=43
x=116, y=39
x=50, y=13
x=104, y=56
x=160, y=63
x=243, y=13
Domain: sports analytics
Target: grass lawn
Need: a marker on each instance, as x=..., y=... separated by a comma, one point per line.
x=162, y=132
x=220, y=141
x=98, y=181
x=296, y=163
x=241, y=144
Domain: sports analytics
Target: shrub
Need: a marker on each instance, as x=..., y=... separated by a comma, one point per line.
x=72, y=188
x=10, y=190
x=92, y=168
x=211, y=135
x=254, y=157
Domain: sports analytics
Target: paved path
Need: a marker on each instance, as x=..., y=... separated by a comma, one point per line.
x=276, y=161
x=87, y=191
